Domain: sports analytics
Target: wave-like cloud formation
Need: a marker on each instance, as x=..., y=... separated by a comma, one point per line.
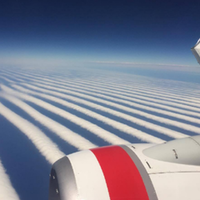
x=152, y=89
x=140, y=122
x=143, y=92
x=133, y=96
x=162, y=119
x=117, y=125
x=124, y=93
x=7, y=192
x=100, y=132
x=66, y=134
x=142, y=88
x=113, y=112
x=128, y=117
x=122, y=97
x=47, y=83
x=120, y=126
x=45, y=146
x=146, y=105
x=129, y=103
x=8, y=80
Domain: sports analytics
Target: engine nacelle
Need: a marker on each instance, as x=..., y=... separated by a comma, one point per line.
x=130, y=172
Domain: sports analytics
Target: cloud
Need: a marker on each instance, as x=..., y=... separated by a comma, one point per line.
x=148, y=125
x=117, y=125
x=161, y=66
x=63, y=132
x=128, y=129
x=7, y=191
x=45, y=146
x=121, y=127
x=79, y=91
x=115, y=113
x=151, y=87
x=100, y=132
x=136, y=93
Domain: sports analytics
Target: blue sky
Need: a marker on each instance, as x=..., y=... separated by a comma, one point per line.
x=127, y=62
x=120, y=31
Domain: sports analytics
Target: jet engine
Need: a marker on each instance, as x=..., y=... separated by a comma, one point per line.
x=130, y=172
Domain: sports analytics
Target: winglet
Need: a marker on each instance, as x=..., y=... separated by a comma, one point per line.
x=196, y=51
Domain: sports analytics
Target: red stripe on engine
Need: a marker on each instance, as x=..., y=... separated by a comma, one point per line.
x=122, y=177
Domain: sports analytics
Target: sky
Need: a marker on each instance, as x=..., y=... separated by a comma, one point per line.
x=135, y=31
x=112, y=72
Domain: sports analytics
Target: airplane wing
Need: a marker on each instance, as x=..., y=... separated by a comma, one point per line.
x=130, y=172
x=196, y=51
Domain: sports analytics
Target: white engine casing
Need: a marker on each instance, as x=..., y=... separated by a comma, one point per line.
x=130, y=172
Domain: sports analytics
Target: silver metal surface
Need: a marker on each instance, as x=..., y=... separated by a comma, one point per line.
x=62, y=181
x=196, y=51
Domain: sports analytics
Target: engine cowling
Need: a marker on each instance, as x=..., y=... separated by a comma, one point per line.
x=130, y=172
